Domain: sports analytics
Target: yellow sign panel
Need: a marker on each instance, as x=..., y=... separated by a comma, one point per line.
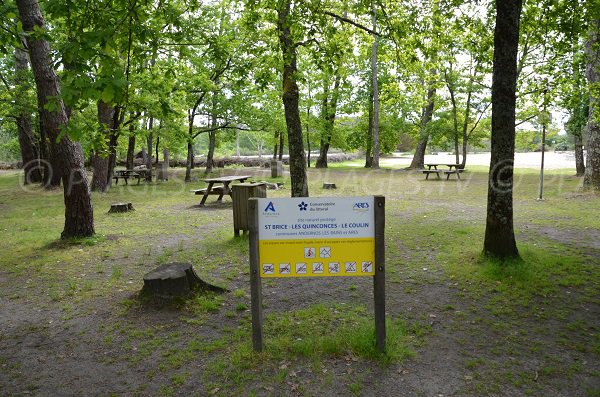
x=317, y=257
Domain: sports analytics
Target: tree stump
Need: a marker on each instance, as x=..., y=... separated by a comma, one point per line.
x=120, y=207
x=329, y=185
x=175, y=280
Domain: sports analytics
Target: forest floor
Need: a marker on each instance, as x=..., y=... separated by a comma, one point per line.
x=72, y=324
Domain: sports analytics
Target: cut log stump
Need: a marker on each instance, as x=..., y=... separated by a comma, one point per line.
x=329, y=185
x=120, y=207
x=175, y=280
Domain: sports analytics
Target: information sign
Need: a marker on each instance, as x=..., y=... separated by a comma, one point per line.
x=316, y=237
x=304, y=237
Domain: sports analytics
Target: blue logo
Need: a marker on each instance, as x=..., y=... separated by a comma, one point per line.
x=270, y=207
x=360, y=206
x=302, y=206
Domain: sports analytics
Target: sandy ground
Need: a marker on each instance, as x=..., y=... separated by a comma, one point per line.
x=553, y=160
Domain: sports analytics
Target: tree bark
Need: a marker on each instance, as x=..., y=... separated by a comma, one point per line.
x=499, y=233
x=45, y=155
x=29, y=150
x=591, y=179
x=418, y=160
x=79, y=214
x=52, y=175
x=99, y=160
x=579, y=159
x=290, y=98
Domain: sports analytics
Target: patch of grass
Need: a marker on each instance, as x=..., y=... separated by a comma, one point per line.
x=540, y=272
x=205, y=303
x=315, y=333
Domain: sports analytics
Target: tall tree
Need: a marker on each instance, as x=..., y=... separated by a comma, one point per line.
x=79, y=214
x=591, y=178
x=374, y=75
x=290, y=96
x=418, y=160
x=499, y=233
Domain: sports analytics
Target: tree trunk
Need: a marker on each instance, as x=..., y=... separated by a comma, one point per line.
x=166, y=156
x=113, y=140
x=212, y=141
x=418, y=160
x=156, y=149
x=329, y=113
x=499, y=233
x=99, y=160
x=190, y=160
x=189, y=164
x=465, y=135
x=579, y=159
x=29, y=151
x=454, y=114
x=79, y=214
x=281, y=145
x=369, y=147
x=52, y=175
x=290, y=98
x=276, y=146
x=149, y=142
x=591, y=179
x=130, y=147
x=45, y=155
x=323, y=146
x=375, y=162
x=212, y=135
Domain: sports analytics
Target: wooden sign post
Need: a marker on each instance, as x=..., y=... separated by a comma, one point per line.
x=317, y=237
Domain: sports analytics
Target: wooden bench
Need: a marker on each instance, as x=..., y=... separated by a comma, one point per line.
x=215, y=190
x=125, y=175
x=427, y=172
x=455, y=171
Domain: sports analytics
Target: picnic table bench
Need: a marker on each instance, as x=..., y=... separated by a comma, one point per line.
x=433, y=169
x=220, y=191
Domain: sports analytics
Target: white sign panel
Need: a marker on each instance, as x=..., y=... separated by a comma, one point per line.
x=328, y=217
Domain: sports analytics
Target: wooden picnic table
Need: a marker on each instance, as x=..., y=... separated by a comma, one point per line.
x=126, y=174
x=432, y=168
x=211, y=189
x=450, y=166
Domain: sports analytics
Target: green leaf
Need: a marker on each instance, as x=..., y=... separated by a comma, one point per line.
x=108, y=94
